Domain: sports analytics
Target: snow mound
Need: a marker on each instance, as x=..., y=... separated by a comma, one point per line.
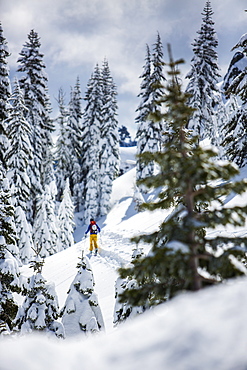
x=204, y=330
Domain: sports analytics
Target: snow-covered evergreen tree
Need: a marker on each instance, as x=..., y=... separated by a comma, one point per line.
x=9, y=261
x=7, y=217
x=124, y=310
x=150, y=134
x=74, y=138
x=100, y=142
x=157, y=75
x=236, y=66
x=81, y=313
x=62, y=148
x=19, y=153
x=195, y=185
x=90, y=144
x=17, y=157
x=235, y=130
x=9, y=283
x=24, y=236
x=109, y=140
x=204, y=93
x=5, y=92
x=124, y=136
x=39, y=310
x=33, y=82
x=66, y=219
x=45, y=233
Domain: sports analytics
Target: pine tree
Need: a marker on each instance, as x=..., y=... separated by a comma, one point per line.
x=9, y=269
x=109, y=140
x=24, y=236
x=9, y=283
x=81, y=312
x=34, y=82
x=19, y=153
x=66, y=219
x=191, y=181
x=62, y=148
x=235, y=142
x=100, y=142
x=90, y=144
x=74, y=138
x=203, y=77
x=45, y=233
x=149, y=133
x=7, y=217
x=124, y=311
x=5, y=92
x=39, y=310
x=124, y=136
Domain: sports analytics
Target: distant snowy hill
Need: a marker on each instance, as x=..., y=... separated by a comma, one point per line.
x=204, y=330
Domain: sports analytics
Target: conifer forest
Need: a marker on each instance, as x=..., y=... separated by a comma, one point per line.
x=57, y=173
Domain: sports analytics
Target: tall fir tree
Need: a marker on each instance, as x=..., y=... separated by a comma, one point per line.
x=9, y=261
x=74, y=137
x=7, y=218
x=203, y=77
x=5, y=92
x=9, y=284
x=109, y=140
x=100, y=142
x=194, y=184
x=45, y=233
x=17, y=158
x=142, y=118
x=62, y=153
x=20, y=152
x=33, y=82
x=235, y=130
x=150, y=134
x=90, y=144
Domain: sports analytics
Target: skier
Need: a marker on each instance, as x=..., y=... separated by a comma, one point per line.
x=94, y=229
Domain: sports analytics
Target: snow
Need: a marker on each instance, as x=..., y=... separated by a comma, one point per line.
x=205, y=330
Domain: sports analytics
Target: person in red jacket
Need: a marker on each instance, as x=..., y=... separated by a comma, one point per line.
x=94, y=229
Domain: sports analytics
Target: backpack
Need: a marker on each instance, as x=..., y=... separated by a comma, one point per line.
x=94, y=228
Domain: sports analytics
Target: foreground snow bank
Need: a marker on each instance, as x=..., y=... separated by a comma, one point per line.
x=205, y=330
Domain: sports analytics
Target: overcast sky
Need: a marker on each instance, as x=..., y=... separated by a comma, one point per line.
x=77, y=34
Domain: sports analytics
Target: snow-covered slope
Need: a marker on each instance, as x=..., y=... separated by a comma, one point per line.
x=205, y=330
x=200, y=331
x=117, y=228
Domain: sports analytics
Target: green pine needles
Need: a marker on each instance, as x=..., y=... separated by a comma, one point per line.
x=194, y=185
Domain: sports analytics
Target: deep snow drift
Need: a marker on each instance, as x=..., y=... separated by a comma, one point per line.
x=205, y=330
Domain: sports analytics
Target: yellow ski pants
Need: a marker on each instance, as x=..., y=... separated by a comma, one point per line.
x=93, y=242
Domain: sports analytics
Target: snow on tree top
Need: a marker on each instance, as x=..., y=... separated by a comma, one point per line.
x=242, y=42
